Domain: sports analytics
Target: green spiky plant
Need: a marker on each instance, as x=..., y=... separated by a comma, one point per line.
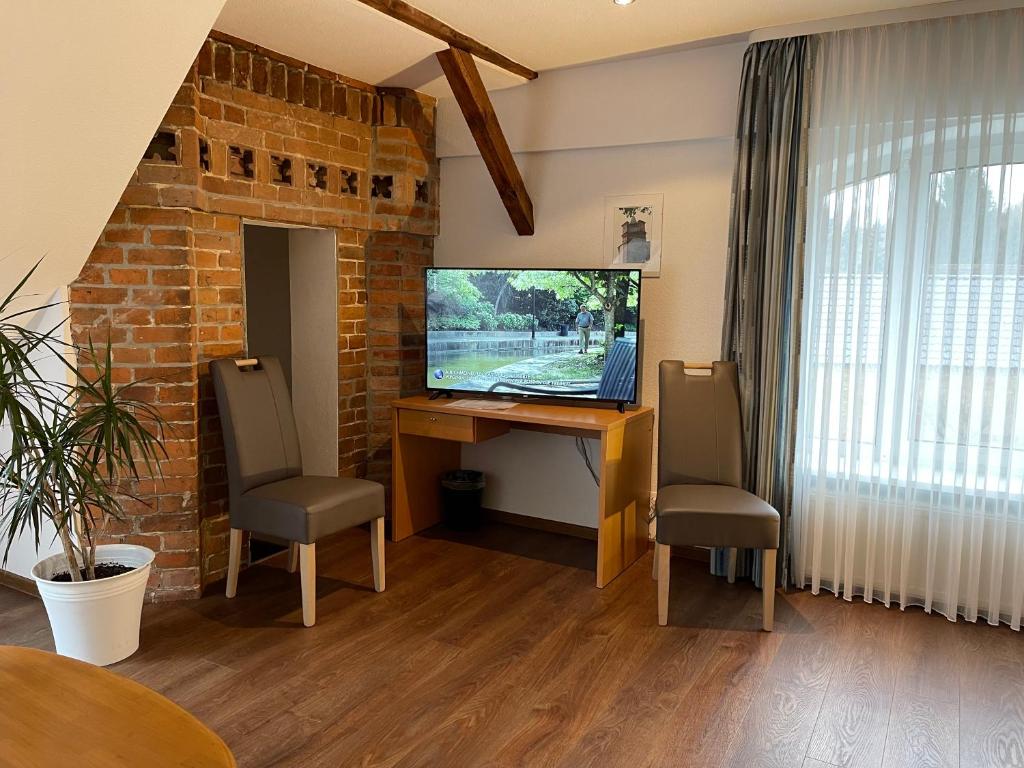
x=75, y=445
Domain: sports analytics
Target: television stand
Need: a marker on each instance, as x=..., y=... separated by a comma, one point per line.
x=620, y=406
x=440, y=393
x=427, y=439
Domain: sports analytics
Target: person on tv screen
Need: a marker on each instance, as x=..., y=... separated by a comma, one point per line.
x=584, y=322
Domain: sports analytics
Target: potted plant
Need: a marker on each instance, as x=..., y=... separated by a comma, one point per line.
x=75, y=447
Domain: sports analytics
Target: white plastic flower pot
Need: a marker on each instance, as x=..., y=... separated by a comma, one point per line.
x=96, y=621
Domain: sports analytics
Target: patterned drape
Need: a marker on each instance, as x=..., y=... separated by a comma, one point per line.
x=761, y=328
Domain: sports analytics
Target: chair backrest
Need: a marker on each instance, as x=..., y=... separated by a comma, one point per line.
x=260, y=439
x=618, y=379
x=700, y=437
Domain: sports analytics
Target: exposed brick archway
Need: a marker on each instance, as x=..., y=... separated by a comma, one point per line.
x=256, y=136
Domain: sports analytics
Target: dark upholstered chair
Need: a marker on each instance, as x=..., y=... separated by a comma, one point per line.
x=268, y=492
x=700, y=470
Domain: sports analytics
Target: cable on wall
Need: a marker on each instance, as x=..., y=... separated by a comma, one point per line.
x=584, y=451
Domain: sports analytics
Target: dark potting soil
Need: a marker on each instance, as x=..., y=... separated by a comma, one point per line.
x=103, y=571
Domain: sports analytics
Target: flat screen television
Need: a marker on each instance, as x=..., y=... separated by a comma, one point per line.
x=551, y=333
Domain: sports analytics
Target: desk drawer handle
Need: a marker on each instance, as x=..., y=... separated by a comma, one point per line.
x=433, y=419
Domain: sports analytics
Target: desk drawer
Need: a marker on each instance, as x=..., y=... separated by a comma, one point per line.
x=444, y=426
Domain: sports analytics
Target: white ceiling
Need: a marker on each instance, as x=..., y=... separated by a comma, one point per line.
x=347, y=37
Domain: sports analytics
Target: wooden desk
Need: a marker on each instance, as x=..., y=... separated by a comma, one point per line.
x=56, y=711
x=427, y=437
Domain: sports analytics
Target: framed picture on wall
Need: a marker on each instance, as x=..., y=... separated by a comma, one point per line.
x=632, y=232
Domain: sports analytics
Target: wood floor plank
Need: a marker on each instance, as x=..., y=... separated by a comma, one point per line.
x=923, y=733
x=991, y=697
x=928, y=663
x=778, y=724
x=496, y=654
x=682, y=685
x=711, y=716
x=854, y=715
x=494, y=650
x=572, y=676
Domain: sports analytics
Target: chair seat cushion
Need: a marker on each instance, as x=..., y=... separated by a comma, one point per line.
x=715, y=516
x=306, y=508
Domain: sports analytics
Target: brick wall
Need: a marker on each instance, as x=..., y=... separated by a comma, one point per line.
x=395, y=327
x=258, y=136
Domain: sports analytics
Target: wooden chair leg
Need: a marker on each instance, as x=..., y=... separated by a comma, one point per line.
x=307, y=567
x=377, y=552
x=654, y=564
x=732, y=565
x=234, y=561
x=768, y=587
x=293, y=556
x=664, y=556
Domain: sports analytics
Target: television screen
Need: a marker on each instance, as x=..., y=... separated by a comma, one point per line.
x=543, y=333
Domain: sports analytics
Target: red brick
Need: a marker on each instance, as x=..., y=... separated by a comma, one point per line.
x=260, y=74
x=130, y=316
x=160, y=296
x=173, y=316
x=233, y=114
x=211, y=108
x=311, y=91
x=278, y=80
x=205, y=59
x=124, y=234
x=161, y=334
x=106, y=255
x=222, y=62
x=132, y=355
x=171, y=277
x=176, y=354
x=88, y=295
x=129, y=276
x=160, y=216
x=295, y=86
x=168, y=237
x=241, y=68
x=179, y=577
x=157, y=256
x=166, y=560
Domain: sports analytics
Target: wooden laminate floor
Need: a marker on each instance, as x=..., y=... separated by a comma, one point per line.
x=497, y=650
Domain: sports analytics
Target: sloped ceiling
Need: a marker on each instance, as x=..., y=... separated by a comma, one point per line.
x=83, y=86
x=346, y=36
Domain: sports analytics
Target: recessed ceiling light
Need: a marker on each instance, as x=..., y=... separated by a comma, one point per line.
x=623, y=2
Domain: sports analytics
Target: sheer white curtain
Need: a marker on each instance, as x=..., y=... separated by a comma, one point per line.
x=909, y=464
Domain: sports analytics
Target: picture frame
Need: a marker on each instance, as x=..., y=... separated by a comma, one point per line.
x=632, y=233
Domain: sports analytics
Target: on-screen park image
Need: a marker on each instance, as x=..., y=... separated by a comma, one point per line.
x=547, y=333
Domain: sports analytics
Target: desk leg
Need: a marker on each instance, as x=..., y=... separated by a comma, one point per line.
x=416, y=466
x=624, y=497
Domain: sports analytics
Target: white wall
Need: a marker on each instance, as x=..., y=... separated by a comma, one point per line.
x=540, y=474
x=678, y=96
x=291, y=300
x=23, y=554
x=313, y=270
x=83, y=86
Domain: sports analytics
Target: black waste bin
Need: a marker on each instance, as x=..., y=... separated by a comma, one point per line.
x=461, y=496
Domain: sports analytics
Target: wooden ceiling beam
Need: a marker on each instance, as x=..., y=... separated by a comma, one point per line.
x=424, y=22
x=464, y=78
